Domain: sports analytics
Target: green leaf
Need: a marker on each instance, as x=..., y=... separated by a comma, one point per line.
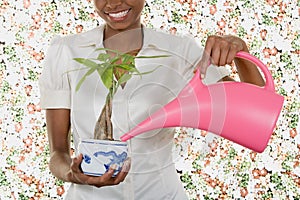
x=124, y=78
x=86, y=62
x=108, y=64
x=147, y=72
x=134, y=70
x=127, y=67
x=114, y=59
x=127, y=58
x=83, y=78
x=102, y=67
x=103, y=57
x=100, y=72
x=107, y=77
x=160, y=56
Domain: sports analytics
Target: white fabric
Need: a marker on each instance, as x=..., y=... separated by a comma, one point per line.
x=152, y=174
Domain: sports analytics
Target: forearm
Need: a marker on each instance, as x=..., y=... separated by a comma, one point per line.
x=58, y=126
x=248, y=72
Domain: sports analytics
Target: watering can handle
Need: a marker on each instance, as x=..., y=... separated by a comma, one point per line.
x=268, y=77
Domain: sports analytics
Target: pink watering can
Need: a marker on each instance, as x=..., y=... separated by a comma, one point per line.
x=240, y=112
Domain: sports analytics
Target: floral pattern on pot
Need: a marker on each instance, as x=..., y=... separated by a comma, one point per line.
x=100, y=155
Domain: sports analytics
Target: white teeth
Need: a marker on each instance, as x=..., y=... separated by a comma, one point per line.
x=119, y=14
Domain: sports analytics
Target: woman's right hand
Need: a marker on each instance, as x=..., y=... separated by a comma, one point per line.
x=75, y=174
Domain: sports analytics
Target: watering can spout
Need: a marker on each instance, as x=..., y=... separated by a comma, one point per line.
x=164, y=117
x=189, y=102
x=157, y=120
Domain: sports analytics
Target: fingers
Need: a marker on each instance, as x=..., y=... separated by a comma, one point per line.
x=123, y=173
x=75, y=165
x=126, y=166
x=76, y=173
x=220, y=51
x=108, y=178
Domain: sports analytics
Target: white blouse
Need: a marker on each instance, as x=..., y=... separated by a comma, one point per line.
x=152, y=174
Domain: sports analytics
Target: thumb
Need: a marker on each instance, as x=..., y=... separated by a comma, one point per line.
x=203, y=64
x=79, y=158
x=76, y=162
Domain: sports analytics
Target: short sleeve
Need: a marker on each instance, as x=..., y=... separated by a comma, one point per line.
x=53, y=83
x=193, y=54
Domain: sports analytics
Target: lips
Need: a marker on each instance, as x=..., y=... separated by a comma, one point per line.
x=118, y=15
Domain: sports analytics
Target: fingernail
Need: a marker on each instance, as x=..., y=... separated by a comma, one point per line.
x=202, y=76
x=126, y=166
x=113, y=167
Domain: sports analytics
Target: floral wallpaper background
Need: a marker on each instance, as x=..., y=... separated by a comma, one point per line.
x=209, y=167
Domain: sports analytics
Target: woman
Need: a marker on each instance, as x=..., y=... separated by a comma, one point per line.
x=152, y=174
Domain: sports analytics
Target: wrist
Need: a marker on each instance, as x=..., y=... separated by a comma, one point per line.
x=245, y=47
x=60, y=166
x=69, y=177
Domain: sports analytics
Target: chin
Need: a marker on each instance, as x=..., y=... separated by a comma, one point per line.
x=121, y=26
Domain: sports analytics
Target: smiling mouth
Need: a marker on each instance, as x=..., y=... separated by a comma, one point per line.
x=118, y=14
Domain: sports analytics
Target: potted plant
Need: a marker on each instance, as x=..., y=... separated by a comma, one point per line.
x=114, y=71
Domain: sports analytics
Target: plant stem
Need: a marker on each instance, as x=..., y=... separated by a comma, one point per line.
x=103, y=128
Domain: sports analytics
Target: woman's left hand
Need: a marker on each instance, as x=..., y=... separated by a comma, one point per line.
x=220, y=50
